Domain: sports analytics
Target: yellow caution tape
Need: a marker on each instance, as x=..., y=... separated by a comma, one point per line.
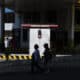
x=16, y=57
x=2, y=57
x=12, y=57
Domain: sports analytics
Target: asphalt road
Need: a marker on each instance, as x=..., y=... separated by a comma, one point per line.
x=61, y=68
x=55, y=74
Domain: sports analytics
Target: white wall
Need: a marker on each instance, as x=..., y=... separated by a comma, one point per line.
x=35, y=40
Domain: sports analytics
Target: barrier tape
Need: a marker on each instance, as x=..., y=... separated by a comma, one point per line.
x=2, y=57
x=16, y=57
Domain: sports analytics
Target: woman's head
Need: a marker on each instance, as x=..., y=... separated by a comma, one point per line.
x=36, y=46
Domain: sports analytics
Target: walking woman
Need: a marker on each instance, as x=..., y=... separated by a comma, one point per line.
x=36, y=59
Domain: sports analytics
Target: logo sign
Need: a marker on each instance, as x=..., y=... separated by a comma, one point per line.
x=39, y=34
x=8, y=27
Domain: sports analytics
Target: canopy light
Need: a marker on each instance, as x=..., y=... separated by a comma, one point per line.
x=39, y=26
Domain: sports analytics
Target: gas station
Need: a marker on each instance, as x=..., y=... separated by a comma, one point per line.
x=40, y=21
x=24, y=23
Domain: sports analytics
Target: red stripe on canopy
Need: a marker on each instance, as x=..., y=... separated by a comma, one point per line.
x=39, y=26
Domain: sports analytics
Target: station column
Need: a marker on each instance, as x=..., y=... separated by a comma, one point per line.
x=0, y=23
x=71, y=25
x=2, y=11
x=17, y=20
x=17, y=28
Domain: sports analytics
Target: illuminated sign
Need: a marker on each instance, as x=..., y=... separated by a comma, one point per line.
x=8, y=27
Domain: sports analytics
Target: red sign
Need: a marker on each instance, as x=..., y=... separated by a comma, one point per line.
x=39, y=26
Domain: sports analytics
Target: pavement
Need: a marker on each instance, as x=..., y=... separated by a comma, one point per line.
x=58, y=61
x=61, y=66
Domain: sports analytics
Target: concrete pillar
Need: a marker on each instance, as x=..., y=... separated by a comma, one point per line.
x=17, y=26
x=21, y=35
x=70, y=24
x=17, y=20
x=2, y=26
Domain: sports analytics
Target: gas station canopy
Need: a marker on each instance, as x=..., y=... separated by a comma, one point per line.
x=38, y=5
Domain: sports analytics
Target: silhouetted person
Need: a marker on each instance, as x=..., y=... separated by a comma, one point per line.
x=47, y=56
x=6, y=44
x=36, y=59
